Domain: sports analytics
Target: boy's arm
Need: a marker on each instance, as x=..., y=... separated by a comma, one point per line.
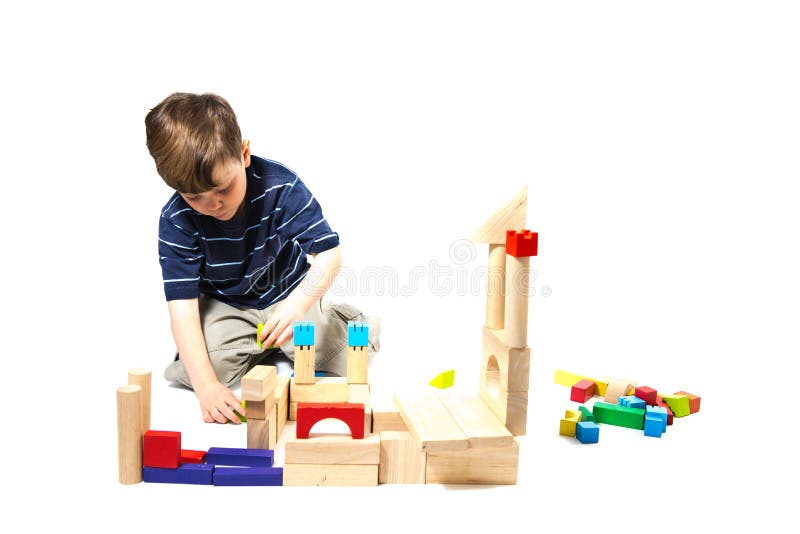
x=217, y=402
x=316, y=283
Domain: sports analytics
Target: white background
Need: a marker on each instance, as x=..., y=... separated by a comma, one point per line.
x=659, y=142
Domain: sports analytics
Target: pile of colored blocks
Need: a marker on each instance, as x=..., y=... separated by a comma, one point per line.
x=645, y=410
x=164, y=461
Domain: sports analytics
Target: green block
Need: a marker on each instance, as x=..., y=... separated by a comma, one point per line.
x=587, y=415
x=614, y=414
x=679, y=404
x=444, y=380
x=258, y=337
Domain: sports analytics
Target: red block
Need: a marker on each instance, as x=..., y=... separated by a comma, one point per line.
x=308, y=413
x=582, y=391
x=522, y=244
x=192, y=457
x=660, y=402
x=647, y=394
x=162, y=448
x=694, y=401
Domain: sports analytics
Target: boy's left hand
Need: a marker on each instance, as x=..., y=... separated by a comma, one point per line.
x=279, y=328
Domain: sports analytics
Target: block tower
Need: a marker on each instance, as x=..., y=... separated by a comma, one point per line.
x=505, y=361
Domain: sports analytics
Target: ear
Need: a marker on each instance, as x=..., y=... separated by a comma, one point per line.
x=246, y=152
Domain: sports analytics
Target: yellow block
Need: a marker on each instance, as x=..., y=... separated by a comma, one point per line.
x=569, y=423
x=564, y=378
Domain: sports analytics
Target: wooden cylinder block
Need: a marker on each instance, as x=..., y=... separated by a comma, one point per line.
x=129, y=434
x=143, y=379
x=496, y=287
x=516, y=311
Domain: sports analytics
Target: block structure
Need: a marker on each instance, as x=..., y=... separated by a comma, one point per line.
x=473, y=466
x=505, y=373
x=430, y=423
x=258, y=390
x=259, y=384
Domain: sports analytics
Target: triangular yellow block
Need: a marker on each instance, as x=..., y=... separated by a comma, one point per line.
x=444, y=380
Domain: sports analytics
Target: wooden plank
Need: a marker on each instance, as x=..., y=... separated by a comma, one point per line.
x=402, y=462
x=565, y=378
x=258, y=433
x=259, y=383
x=304, y=364
x=510, y=217
x=329, y=475
x=326, y=389
x=333, y=449
x=516, y=308
x=496, y=287
x=430, y=423
x=473, y=466
x=282, y=402
x=357, y=365
x=510, y=408
x=476, y=420
x=385, y=419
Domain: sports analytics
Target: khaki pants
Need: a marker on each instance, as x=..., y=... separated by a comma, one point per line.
x=230, y=335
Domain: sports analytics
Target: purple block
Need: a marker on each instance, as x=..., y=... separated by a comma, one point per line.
x=184, y=474
x=240, y=457
x=248, y=476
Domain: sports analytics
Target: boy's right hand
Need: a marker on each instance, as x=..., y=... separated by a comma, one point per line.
x=217, y=404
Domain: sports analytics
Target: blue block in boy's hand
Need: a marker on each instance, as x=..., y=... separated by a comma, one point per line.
x=248, y=476
x=303, y=333
x=184, y=474
x=357, y=333
x=240, y=457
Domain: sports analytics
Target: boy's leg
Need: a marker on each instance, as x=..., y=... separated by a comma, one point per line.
x=330, y=335
x=230, y=335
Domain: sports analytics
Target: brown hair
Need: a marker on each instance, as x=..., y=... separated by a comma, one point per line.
x=188, y=135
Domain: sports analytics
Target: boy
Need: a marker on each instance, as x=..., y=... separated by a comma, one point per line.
x=233, y=246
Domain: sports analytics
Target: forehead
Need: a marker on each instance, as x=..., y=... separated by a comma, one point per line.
x=226, y=171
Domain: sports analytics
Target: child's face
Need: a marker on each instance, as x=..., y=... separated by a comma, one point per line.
x=224, y=201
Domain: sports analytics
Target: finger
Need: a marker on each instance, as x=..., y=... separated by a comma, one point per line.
x=285, y=336
x=218, y=416
x=239, y=406
x=207, y=417
x=227, y=411
x=277, y=331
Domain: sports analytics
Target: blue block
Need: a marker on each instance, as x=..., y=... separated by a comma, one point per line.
x=632, y=401
x=184, y=474
x=587, y=432
x=653, y=426
x=248, y=476
x=357, y=333
x=303, y=333
x=240, y=457
x=659, y=413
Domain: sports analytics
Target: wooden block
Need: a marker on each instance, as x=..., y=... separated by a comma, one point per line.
x=259, y=383
x=473, y=466
x=310, y=413
x=508, y=368
x=359, y=393
x=617, y=388
x=357, y=365
x=282, y=402
x=192, y=473
x=387, y=420
x=510, y=408
x=192, y=457
x=476, y=420
x=568, y=424
x=273, y=427
x=325, y=389
x=564, y=378
x=258, y=431
x=582, y=391
x=329, y=449
x=430, y=423
x=694, y=401
x=679, y=404
x=329, y=475
x=496, y=287
x=402, y=462
x=304, y=364
x=162, y=448
x=240, y=457
x=259, y=409
x=143, y=379
x=510, y=216
x=614, y=414
x=129, y=434
x=517, y=292
x=252, y=476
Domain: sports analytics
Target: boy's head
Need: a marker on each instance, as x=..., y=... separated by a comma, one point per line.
x=198, y=150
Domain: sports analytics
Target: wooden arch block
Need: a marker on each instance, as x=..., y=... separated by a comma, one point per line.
x=505, y=374
x=309, y=413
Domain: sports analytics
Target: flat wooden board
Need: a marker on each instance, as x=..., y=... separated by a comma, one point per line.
x=329, y=475
x=474, y=466
x=401, y=460
x=430, y=423
x=333, y=449
x=476, y=420
x=510, y=217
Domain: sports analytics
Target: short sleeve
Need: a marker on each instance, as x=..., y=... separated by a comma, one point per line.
x=180, y=257
x=301, y=220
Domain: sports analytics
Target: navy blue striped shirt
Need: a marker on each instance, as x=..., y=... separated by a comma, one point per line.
x=255, y=259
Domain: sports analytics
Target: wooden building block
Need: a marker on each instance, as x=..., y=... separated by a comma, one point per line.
x=143, y=379
x=401, y=461
x=325, y=389
x=252, y=476
x=329, y=449
x=504, y=367
x=309, y=413
x=647, y=394
x=129, y=434
x=263, y=433
x=473, y=466
x=582, y=391
x=522, y=244
x=384, y=419
x=259, y=383
x=694, y=401
x=568, y=424
x=587, y=432
x=304, y=364
x=430, y=423
x=614, y=414
x=192, y=473
x=329, y=475
x=192, y=457
x=444, y=380
x=670, y=416
x=565, y=378
x=476, y=420
x=517, y=292
x=510, y=216
x=162, y=448
x=357, y=365
x=359, y=394
x=510, y=407
x=282, y=402
x=496, y=287
x=679, y=404
x=240, y=457
x=617, y=388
